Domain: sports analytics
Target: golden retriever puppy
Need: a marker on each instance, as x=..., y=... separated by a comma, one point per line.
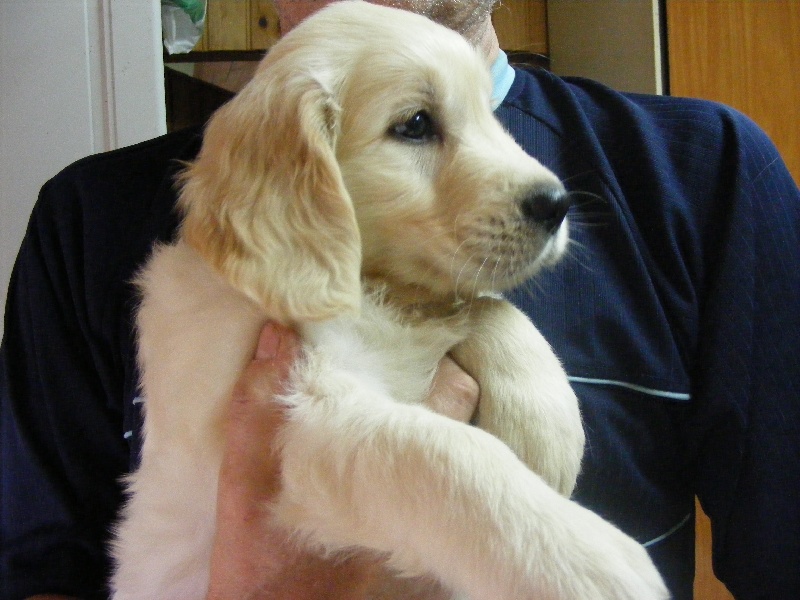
x=361, y=189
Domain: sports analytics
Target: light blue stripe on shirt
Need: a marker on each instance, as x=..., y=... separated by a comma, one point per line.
x=664, y=536
x=632, y=386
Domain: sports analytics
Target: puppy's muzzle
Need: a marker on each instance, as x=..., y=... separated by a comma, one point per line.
x=546, y=207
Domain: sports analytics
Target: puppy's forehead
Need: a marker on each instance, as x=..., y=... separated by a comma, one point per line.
x=355, y=35
x=434, y=80
x=426, y=65
x=390, y=59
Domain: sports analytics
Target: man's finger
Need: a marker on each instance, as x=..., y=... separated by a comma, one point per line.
x=255, y=418
x=454, y=393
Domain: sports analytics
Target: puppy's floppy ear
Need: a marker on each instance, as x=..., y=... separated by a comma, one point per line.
x=265, y=203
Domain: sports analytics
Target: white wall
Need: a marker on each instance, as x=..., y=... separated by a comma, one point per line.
x=76, y=77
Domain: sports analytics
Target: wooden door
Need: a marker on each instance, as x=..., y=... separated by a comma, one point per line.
x=744, y=53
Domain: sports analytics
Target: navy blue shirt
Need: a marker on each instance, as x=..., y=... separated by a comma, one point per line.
x=675, y=314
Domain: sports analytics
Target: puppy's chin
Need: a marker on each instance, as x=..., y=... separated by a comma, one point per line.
x=554, y=249
x=509, y=273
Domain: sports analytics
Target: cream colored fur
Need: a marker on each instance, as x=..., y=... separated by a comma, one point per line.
x=303, y=206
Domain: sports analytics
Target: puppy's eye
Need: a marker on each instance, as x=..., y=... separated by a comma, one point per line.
x=419, y=128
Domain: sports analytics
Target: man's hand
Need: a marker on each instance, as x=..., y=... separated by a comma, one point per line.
x=252, y=560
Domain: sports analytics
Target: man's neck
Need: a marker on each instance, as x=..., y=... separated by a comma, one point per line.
x=485, y=39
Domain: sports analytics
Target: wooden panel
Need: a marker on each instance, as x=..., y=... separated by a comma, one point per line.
x=202, y=43
x=228, y=22
x=522, y=25
x=745, y=54
x=706, y=586
x=263, y=24
x=253, y=25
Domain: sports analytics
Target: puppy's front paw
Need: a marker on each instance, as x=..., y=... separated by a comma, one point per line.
x=606, y=564
x=526, y=400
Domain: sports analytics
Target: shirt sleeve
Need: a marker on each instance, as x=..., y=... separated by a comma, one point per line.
x=743, y=430
x=68, y=379
x=62, y=447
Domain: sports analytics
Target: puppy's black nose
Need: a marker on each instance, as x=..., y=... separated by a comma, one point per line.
x=546, y=207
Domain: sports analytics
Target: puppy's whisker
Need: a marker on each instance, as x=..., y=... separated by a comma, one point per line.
x=578, y=175
x=453, y=261
x=461, y=272
x=498, y=257
x=589, y=209
x=477, y=276
x=573, y=253
x=494, y=272
x=532, y=289
x=588, y=194
x=459, y=214
x=456, y=236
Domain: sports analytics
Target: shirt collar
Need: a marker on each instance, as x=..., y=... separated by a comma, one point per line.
x=502, y=77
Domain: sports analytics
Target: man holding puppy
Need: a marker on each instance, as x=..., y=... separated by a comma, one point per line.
x=676, y=318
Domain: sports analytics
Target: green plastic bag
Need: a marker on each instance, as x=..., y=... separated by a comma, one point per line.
x=196, y=9
x=182, y=23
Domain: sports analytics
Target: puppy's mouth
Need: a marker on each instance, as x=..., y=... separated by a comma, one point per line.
x=499, y=252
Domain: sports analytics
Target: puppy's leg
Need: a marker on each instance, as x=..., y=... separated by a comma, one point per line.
x=162, y=546
x=526, y=400
x=441, y=496
x=195, y=337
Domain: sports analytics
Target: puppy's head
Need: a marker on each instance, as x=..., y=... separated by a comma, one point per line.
x=366, y=144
